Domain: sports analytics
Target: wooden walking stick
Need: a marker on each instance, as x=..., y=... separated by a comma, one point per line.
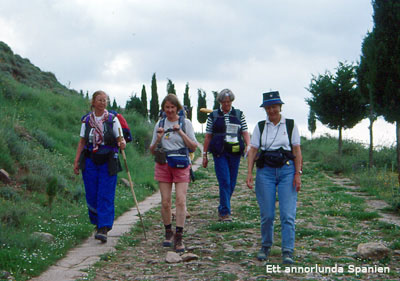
x=131, y=186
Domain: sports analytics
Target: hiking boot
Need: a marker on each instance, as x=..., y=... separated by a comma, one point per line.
x=169, y=235
x=101, y=234
x=287, y=258
x=178, y=244
x=263, y=254
x=226, y=218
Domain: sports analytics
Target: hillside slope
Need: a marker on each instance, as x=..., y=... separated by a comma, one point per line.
x=39, y=132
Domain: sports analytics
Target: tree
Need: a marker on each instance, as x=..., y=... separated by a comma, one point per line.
x=336, y=101
x=186, y=102
x=216, y=103
x=312, y=122
x=114, y=105
x=135, y=104
x=201, y=103
x=386, y=94
x=154, y=105
x=143, y=98
x=366, y=73
x=171, y=87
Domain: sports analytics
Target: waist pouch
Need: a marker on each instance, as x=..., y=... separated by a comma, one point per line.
x=178, y=159
x=274, y=159
x=232, y=148
x=159, y=155
x=100, y=158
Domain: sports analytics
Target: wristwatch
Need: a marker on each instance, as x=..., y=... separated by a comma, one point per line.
x=299, y=172
x=205, y=153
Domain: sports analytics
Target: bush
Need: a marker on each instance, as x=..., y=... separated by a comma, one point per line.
x=46, y=141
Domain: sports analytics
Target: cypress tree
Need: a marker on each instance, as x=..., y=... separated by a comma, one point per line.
x=170, y=87
x=216, y=103
x=154, y=105
x=386, y=94
x=144, y=100
x=186, y=102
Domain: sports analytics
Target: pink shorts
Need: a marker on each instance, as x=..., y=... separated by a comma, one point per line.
x=165, y=173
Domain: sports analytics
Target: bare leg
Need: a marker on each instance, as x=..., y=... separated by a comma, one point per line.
x=166, y=191
x=180, y=203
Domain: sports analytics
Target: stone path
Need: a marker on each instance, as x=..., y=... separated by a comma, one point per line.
x=374, y=204
x=71, y=267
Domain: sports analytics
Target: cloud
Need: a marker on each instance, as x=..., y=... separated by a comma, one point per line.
x=247, y=46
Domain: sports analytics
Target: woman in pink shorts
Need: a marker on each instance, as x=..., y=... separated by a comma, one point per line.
x=174, y=135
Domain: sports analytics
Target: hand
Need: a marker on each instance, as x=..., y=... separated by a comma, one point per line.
x=122, y=144
x=76, y=168
x=249, y=181
x=160, y=133
x=176, y=127
x=205, y=161
x=297, y=182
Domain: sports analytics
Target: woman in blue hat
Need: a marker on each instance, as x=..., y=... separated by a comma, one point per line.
x=279, y=169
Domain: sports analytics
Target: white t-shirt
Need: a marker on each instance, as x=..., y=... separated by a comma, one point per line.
x=172, y=140
x=116, y=126
x=277, y=136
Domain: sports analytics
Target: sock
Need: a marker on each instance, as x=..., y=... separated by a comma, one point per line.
x=168, y=226
x=179, y=229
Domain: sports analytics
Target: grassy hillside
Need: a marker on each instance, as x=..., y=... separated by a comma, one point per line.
x=39, y=132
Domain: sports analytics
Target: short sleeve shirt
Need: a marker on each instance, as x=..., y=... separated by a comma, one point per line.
x=172, y=140
x=274, y=136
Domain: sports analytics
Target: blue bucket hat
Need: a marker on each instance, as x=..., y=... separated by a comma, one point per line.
x=271, y=98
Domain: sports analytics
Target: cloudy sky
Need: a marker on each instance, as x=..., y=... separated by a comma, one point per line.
x=248, y=46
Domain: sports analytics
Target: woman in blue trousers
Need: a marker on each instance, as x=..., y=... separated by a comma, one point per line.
x=226, y=138
x=279, y=169
x=97, y=157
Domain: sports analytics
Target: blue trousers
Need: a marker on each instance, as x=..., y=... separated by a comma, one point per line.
x=100, y=193
x=226, y=168
x=268, y=181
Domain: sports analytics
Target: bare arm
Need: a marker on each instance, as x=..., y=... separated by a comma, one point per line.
x=160, y=133
x=207, y=140
x=251, y=158
x=81, y=146
x=191, y=144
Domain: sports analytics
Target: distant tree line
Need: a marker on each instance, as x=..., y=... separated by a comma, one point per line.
x=368, y=89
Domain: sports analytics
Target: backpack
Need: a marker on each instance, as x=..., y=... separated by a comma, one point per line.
x=126, y=131
x=289, y=129
x=181, y=121
x=237, y=114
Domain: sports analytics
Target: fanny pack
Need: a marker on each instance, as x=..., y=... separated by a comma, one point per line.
x=274, y=159
x=178, y=158
x=233, y=148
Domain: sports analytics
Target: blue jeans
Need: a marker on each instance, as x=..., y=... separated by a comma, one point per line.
x=268, y=180
x=100, y=193
x=226, y=168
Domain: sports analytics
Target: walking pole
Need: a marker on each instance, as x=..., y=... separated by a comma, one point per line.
x=131, y=186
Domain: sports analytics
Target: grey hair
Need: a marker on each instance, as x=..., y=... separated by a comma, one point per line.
x=225, y=93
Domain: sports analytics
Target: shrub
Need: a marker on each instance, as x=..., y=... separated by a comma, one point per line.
x=46, y=141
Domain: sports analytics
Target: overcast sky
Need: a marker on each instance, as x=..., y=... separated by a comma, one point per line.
x=247, y=46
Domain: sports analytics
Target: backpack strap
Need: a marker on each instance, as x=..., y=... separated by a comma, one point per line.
x=261, y=125
x=289, y=129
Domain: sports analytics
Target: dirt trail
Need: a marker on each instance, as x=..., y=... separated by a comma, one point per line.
x=325, y=236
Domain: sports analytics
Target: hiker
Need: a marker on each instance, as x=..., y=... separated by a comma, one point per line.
x=226, y=137
x=279, y=167
x=97, y=157
x=170, y=145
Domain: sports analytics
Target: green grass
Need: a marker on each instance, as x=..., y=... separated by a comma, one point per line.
x=39, y=135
